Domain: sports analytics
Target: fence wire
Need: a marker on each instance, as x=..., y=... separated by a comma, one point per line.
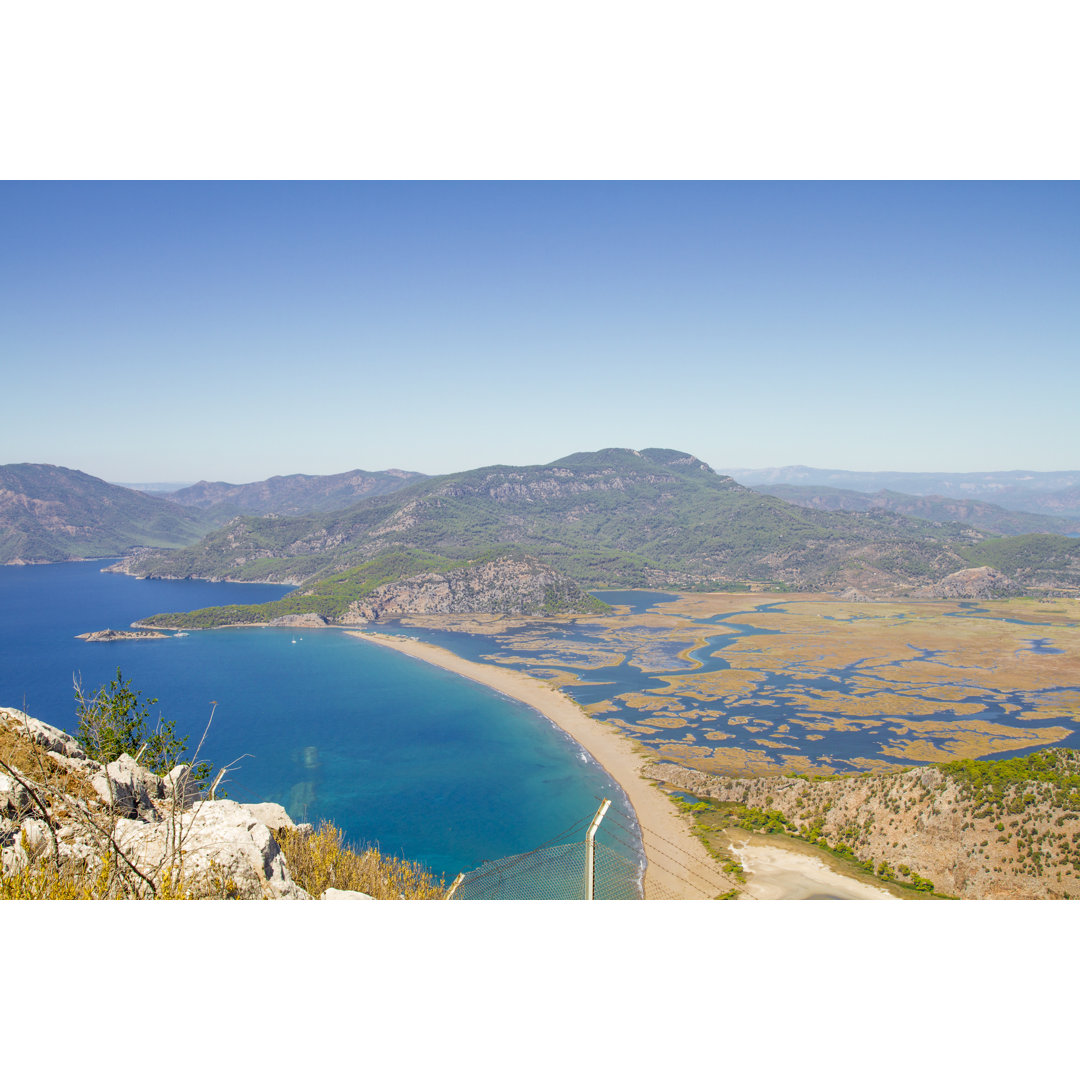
x=553, y=873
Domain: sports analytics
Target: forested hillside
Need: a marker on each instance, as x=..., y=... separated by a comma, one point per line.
x=51, y=514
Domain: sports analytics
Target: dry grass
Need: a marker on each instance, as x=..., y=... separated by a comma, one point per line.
x=322, y=860
x=41, y=881
x=22, y=753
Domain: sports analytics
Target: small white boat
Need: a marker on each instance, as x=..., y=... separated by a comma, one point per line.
x=182, y=633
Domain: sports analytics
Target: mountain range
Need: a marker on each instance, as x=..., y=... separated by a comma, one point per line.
x=1016, y=489
x=981, y=515
x=614, y=517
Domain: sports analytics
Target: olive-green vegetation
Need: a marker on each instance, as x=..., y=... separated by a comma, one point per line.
x=1051, y=777
x=51, y=514
x=113, y=721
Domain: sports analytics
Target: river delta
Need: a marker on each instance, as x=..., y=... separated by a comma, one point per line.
x=753, y=684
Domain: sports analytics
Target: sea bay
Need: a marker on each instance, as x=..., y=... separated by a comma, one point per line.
x=425, y=764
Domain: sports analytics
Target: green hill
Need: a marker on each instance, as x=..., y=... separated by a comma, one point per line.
x=52, y=514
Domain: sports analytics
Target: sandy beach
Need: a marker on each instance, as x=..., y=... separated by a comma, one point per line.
x=679, y=867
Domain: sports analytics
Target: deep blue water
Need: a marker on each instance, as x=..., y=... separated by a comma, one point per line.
x=392, y=750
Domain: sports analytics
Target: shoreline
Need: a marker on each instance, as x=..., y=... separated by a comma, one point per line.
x=672, y=851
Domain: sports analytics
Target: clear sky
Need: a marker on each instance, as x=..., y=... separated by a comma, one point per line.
x=186, y=331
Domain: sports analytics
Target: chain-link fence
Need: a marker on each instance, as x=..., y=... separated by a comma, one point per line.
x=582, y=870
x=646, y=866
x=553, y=873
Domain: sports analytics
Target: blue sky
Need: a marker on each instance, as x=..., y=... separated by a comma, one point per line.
x=185, y=331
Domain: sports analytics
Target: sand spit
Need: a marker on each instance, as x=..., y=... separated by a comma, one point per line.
x=679, y=866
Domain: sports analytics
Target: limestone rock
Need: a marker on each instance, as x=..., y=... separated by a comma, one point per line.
x=223, y=839
x=345, y=894
x=510, y=585
x=180, y=788
x=127, y=786
x=309, y=621
x=218, y=847
x=271, y=814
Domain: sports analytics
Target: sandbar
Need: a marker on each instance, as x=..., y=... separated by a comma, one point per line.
x=776, y=873
x=679, y=867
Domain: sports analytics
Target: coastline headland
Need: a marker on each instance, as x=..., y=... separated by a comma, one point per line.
x=679, y=867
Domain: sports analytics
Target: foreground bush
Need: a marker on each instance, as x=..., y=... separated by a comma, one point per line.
x=322, y=860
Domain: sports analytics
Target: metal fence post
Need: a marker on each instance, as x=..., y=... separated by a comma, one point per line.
x=590, y=849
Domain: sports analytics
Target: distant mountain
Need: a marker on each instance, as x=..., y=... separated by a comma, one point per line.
x=52, y=514
x=614, y=517
x=157, y=487
x=982, y=515
x=291, y=495
x=1031, y=492
x=1064, y=501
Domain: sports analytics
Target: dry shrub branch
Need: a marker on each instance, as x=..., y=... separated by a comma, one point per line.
x=322, y=860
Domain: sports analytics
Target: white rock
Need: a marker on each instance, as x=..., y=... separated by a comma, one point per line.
x=125, y=784
x=179, y=786
x=345, y=894
x=271, y=814
x=222, y=838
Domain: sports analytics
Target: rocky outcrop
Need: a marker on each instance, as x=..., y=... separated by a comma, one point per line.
x=853, y=596
x=156, y=833
x=307, y=621
x=223, y=839
x=977, y=583
x=119, y=635
x=510, y=586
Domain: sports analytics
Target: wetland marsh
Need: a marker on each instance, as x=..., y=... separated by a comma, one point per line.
x=755, y=685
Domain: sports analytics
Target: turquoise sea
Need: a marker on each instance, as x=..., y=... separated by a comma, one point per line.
x=394, y=751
